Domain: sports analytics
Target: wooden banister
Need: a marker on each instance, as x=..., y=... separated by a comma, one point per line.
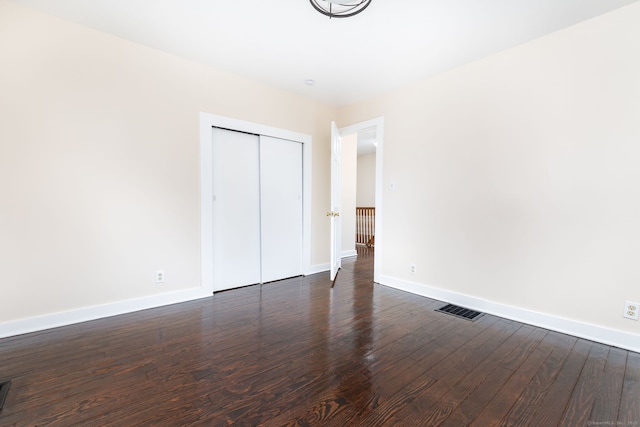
x=365, y=226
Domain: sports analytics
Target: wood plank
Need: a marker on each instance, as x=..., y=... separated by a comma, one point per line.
x=523, y=410
x=609, y=393
x=550, y=409
x=390, y=382
x=455, y=369
x=495, y=411
x=449, y=405
x=297, y=352
x=629, y=413
x=578, y=410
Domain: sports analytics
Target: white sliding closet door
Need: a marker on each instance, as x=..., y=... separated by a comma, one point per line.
x=281, y=208
x=236, y=209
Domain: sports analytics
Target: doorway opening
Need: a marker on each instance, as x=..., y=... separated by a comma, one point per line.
x=361, y=190
x=357, y=191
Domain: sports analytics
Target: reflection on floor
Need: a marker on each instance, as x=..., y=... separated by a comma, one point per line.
x=296, y=352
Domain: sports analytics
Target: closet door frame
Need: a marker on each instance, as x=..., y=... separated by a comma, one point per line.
x=207, y=123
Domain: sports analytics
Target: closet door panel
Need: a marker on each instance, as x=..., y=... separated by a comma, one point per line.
x=236, y=209
x=281, y=208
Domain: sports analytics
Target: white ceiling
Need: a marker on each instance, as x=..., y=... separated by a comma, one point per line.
x=285, y=42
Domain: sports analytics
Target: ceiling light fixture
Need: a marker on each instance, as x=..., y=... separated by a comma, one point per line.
x=340, y=8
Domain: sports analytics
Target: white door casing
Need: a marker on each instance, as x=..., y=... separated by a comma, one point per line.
x=378, y=124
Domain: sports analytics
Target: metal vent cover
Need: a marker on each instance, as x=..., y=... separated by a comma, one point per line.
x=4, y=390
x=460, y=312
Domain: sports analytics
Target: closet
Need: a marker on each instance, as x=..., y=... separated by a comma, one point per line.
x=257, y=209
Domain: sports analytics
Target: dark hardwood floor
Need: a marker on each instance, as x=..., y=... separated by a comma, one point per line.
x=297, y=352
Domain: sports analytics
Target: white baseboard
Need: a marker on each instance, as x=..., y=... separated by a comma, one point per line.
x=318, y=268
x=625, y=340
x=55, y=320
x=600, y=334
x=321, y=268
x=347, y=254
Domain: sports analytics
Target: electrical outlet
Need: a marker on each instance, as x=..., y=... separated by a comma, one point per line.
x=412, y=269
x=160, y=276
x=631, y=310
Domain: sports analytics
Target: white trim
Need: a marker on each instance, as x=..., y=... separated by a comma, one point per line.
x=378, y=123
x=207, y=121
x=349, y=254
x=625, y=340
x=85, y=314
x=318, y=268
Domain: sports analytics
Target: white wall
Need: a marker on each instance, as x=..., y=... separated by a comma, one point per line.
x=348, y=193
x=366, y=181
x=99, y=164
x=517, y=178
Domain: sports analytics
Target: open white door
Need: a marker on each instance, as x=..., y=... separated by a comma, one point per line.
x=334, y=213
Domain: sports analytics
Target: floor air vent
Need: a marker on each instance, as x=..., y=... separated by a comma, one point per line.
x=460, y=312
x=4, y=389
